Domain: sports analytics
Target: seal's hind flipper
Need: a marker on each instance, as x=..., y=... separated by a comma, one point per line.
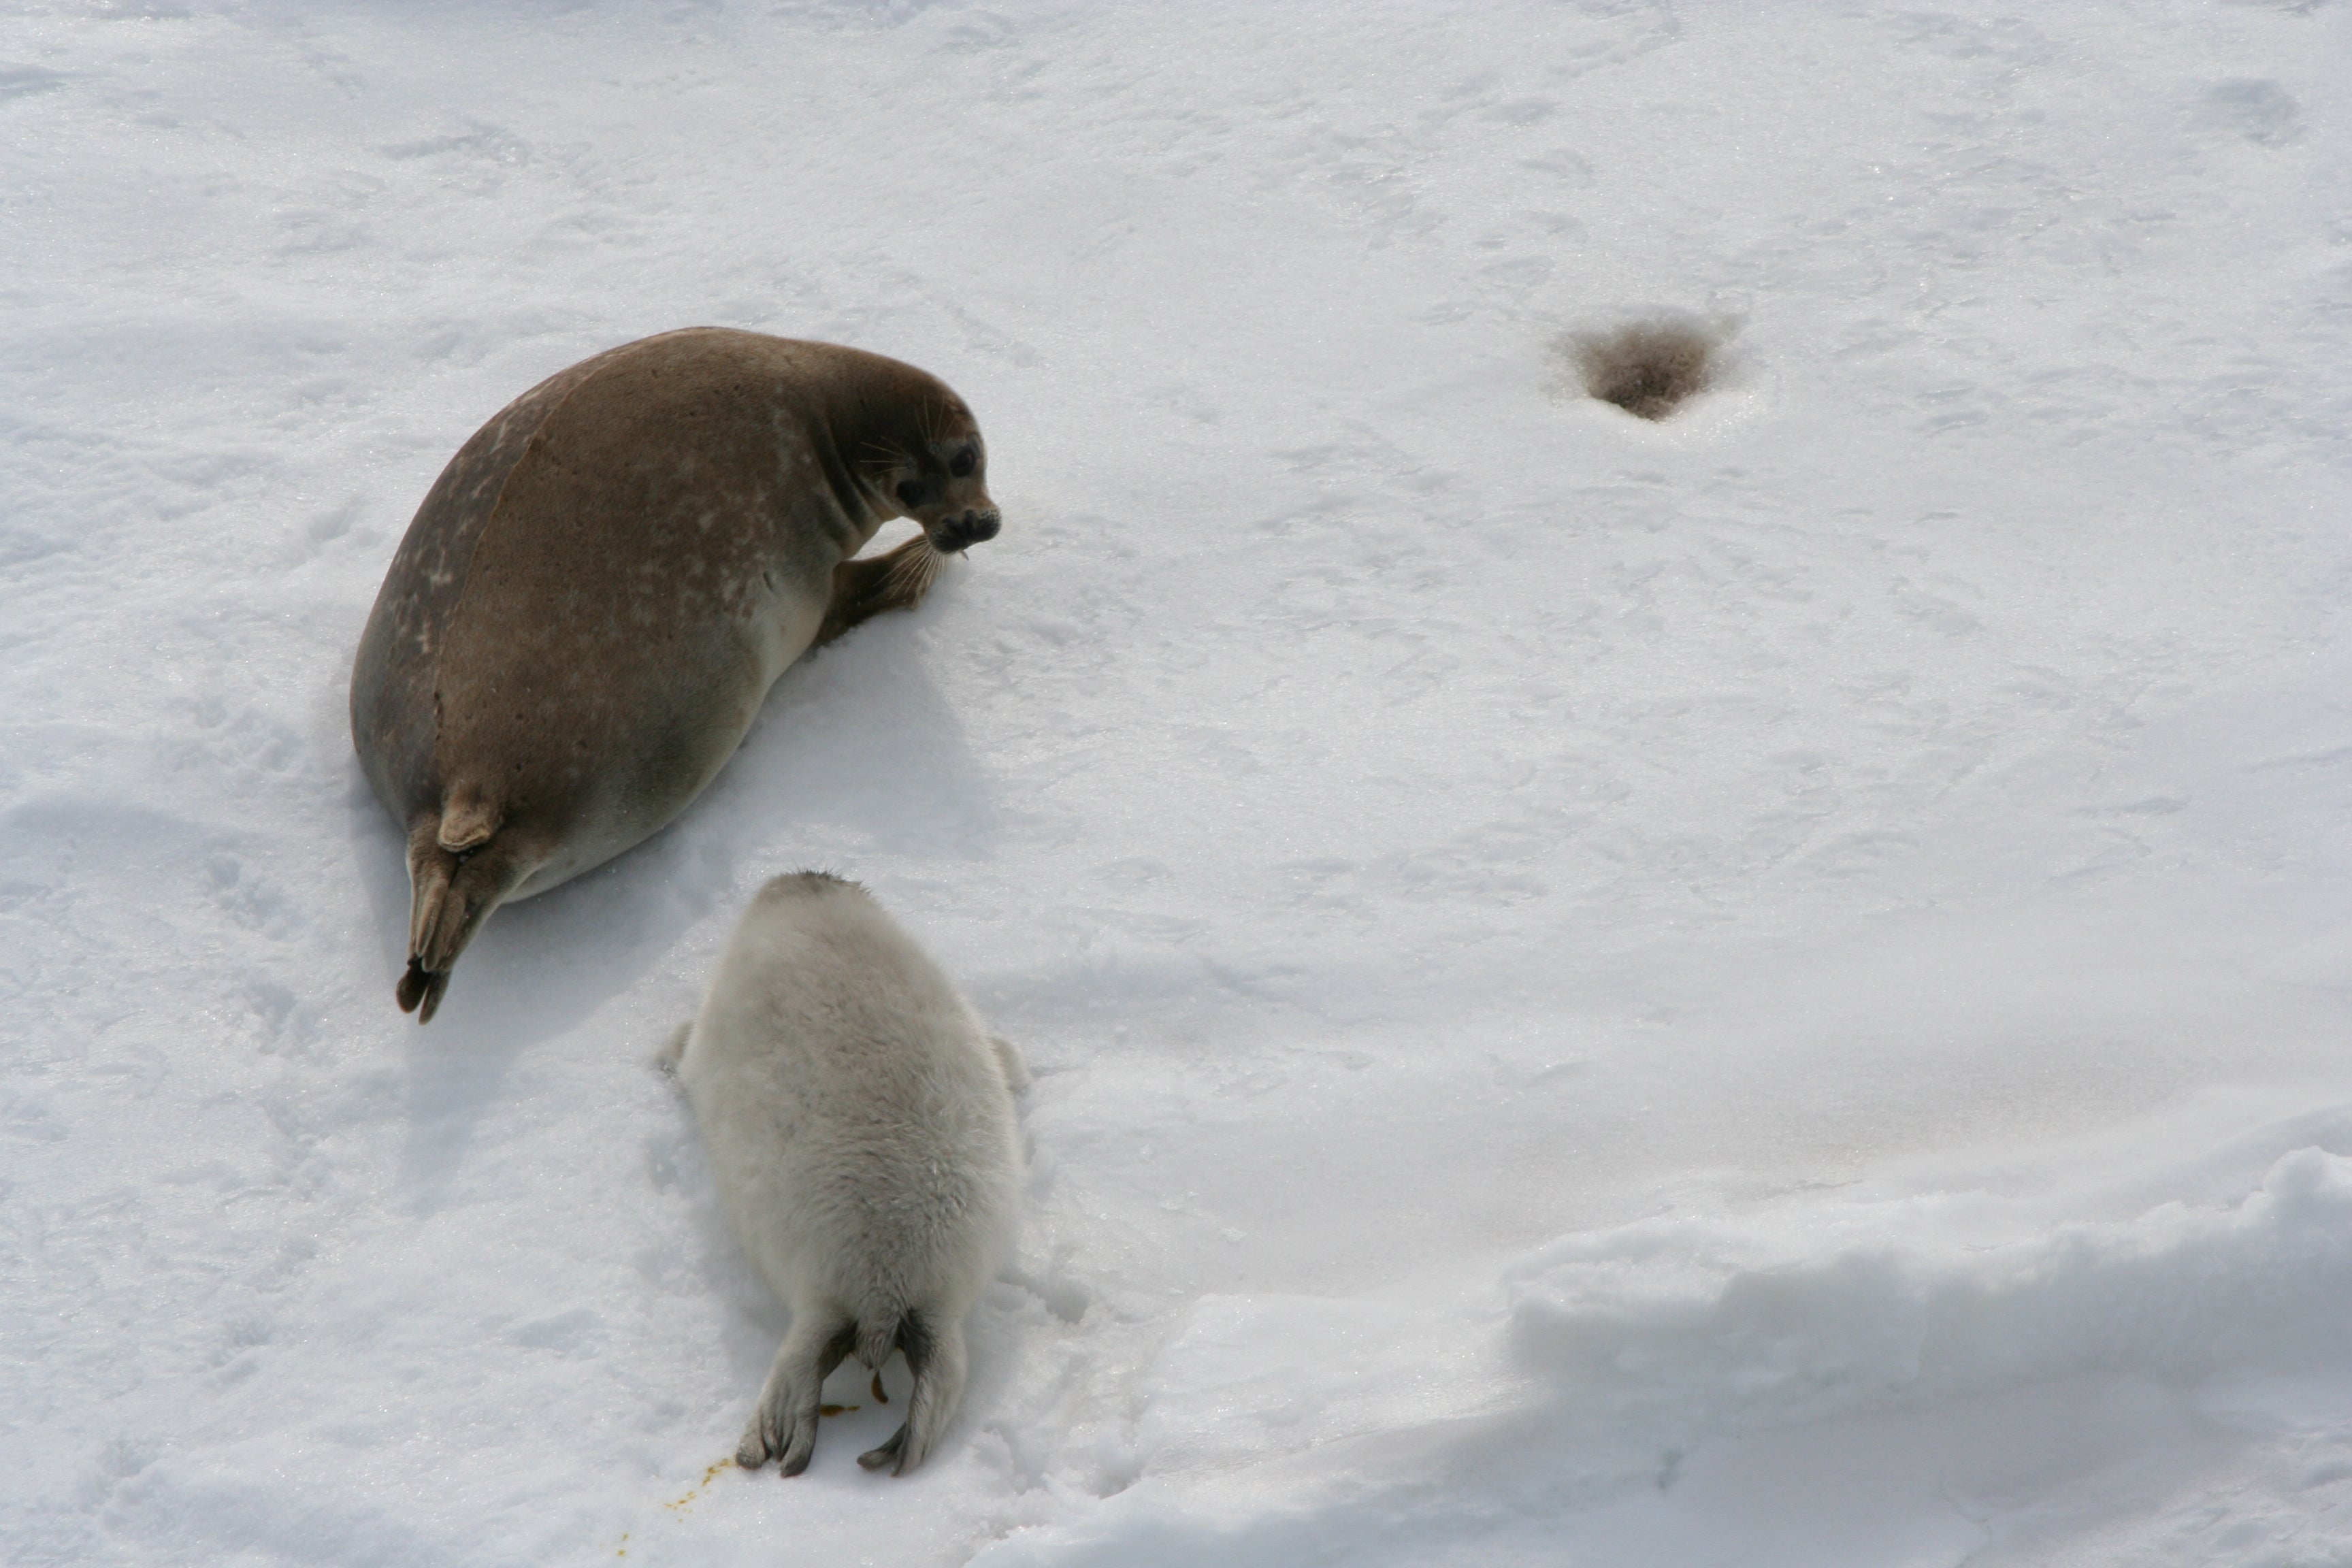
x=451, y=894
x=936, y=1355
x=783, y=1424
x=420, y=992
x=863, y=588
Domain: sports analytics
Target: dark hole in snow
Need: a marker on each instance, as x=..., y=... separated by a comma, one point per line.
x=1649, y=367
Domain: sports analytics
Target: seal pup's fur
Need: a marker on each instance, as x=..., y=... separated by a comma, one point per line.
x=589, y=607
x=861, y=1129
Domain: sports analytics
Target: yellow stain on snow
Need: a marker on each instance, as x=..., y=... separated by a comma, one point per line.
x=681, y=1504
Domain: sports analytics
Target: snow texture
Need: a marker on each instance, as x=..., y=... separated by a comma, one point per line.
x=1766, y=987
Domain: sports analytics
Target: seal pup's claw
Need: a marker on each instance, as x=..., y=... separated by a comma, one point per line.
x=875, y=1459
x=674, y=1048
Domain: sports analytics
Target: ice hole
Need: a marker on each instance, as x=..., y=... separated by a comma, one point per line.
x=1648, y=367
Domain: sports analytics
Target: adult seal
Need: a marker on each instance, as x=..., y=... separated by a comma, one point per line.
x=590, y=606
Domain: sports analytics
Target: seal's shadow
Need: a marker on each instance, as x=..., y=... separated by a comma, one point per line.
x=856, y=751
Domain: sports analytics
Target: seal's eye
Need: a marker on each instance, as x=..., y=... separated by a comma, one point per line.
x=961, y=466
x=910, y=492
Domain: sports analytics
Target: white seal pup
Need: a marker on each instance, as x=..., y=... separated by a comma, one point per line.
x=861, y=1129
x=590, y=604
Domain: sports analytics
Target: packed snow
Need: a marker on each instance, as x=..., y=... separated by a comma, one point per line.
x=1765, y=987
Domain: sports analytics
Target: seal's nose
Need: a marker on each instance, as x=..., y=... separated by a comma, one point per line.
x=966, y=530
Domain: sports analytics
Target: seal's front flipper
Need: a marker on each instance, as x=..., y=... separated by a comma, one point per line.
x=863, y=588
x=1008, y=1058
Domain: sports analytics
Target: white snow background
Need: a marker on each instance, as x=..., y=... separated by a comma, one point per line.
x=1764, y=989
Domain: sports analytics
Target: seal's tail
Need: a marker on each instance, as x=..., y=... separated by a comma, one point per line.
x=459, y=869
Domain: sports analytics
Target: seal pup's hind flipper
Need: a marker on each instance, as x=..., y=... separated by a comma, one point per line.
x=939, y=1361
x=863, y=588
x=452, y=889
x=783, y=1424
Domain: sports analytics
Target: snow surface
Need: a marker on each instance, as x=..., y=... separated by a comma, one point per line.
x=1763, y=989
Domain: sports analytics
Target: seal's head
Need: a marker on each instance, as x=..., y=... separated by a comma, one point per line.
x=940, y=479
